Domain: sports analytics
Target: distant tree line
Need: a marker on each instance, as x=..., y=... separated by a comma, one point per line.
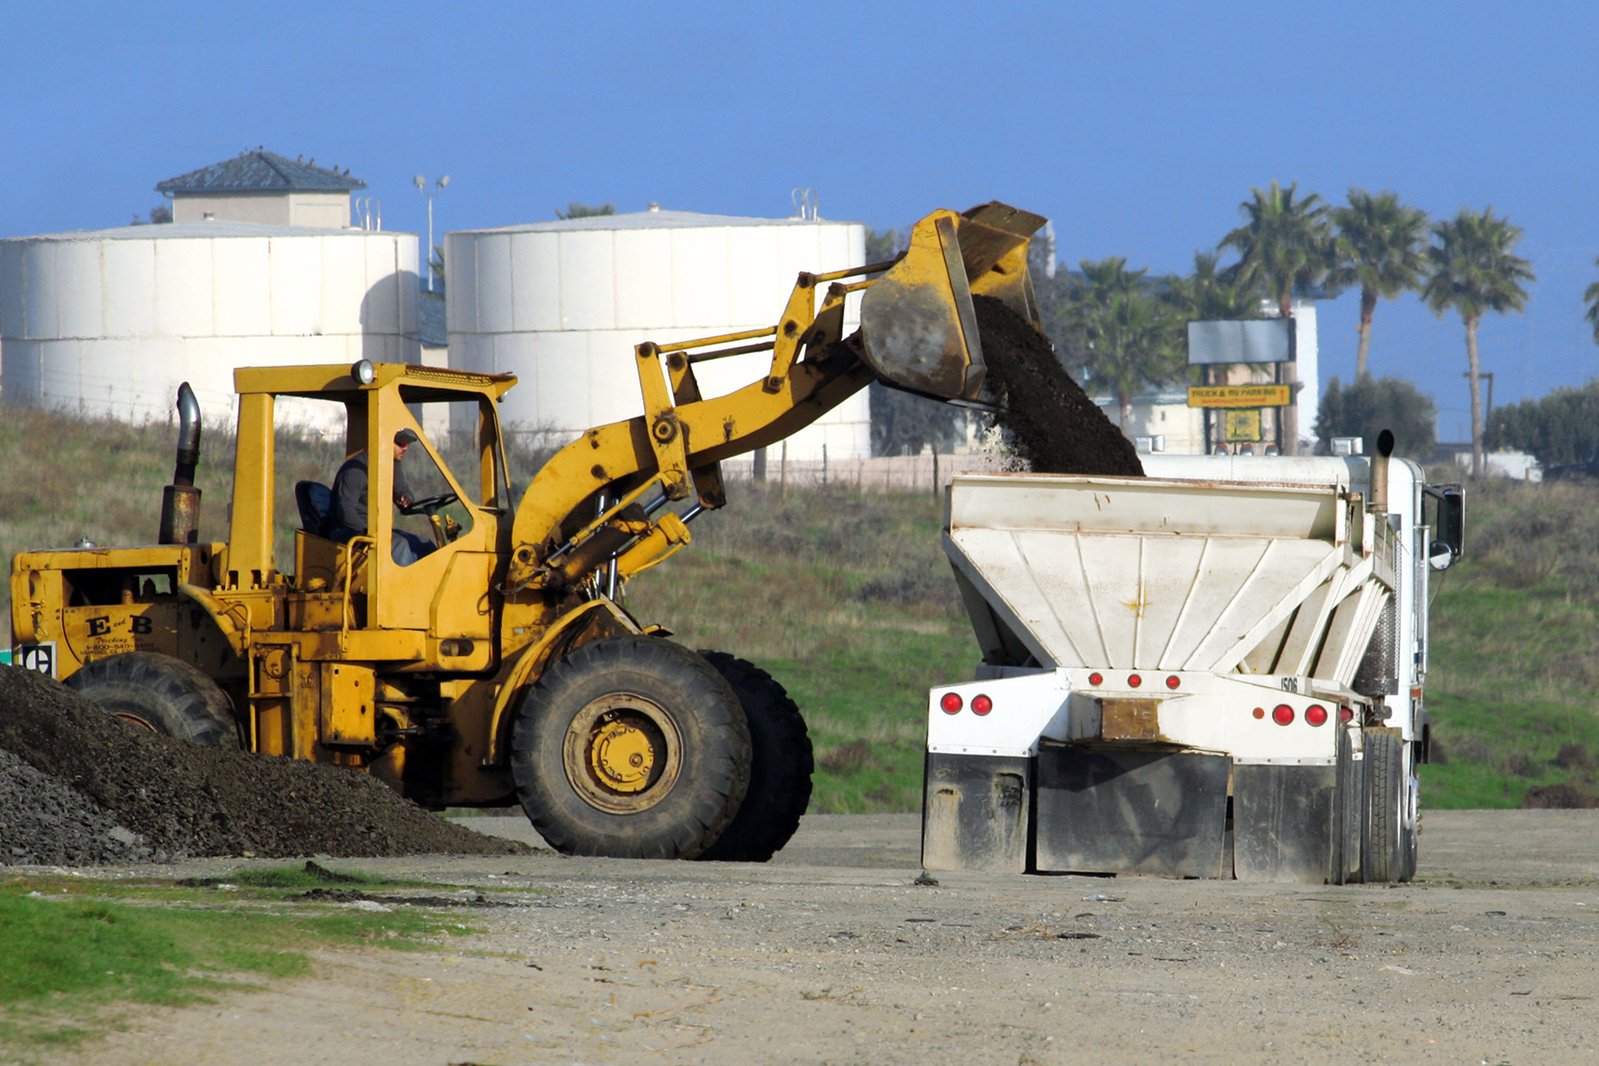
x=1562, y=427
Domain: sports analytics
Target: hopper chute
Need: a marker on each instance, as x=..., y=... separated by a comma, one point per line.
x=918, y=327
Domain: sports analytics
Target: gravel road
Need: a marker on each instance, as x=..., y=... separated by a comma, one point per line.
x=834, y=953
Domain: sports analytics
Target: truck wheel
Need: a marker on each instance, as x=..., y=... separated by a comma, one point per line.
x=780, y=772
x=630, y=747
x=1388, y=850
x=161, y=694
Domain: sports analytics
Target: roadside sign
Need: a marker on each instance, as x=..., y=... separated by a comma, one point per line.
x=1241, y=427
x=1238, y=395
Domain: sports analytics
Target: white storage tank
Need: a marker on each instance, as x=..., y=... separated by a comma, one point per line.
x=561, y=305
x=109, y=322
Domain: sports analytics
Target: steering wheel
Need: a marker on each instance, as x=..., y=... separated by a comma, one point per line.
x=429, y=504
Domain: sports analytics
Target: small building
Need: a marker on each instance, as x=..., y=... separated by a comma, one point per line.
x=262, y=186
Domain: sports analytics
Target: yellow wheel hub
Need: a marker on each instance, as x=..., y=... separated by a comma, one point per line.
x=621, y=757
x=623, y=753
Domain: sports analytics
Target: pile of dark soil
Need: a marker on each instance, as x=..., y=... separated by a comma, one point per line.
x=77, y=786
x=1056, y=428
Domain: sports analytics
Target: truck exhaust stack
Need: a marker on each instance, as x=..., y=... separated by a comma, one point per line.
x=180, y=501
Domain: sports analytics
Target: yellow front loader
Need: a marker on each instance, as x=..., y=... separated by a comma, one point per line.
x=499, y=666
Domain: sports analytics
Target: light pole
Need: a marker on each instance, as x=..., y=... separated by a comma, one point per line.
x=438, y=187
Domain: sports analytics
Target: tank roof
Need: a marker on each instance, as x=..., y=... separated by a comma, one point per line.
x=259, y=170
x=649, y=220
x=197, y=230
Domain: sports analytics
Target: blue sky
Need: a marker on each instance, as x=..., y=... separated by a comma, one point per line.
x=1138, y=128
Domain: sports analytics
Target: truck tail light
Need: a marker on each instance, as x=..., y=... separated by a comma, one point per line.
x=951, y=703
x=981, y=705
x=1346, y=714
x=1316, y=714
x=1282, y=714
x=1133, y=680
x=1096, y=678
x=1172, y=682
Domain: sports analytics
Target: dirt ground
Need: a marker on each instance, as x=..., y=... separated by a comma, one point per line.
x=834, y=953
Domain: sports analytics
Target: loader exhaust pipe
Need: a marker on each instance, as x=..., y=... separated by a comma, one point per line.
x=1379, y=471
x=180, y=501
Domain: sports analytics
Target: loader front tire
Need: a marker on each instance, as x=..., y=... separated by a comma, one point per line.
x=780, y=772
x=630, y=747
x=161, y=694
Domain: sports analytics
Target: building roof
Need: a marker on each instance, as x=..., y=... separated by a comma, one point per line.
x=262, y=171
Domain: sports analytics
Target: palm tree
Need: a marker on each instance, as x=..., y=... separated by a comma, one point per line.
x=1591, y=297
x=1379, y=248
x=1130, y=337
x=1474, y=271
x=1283, y=245
x=1206, y=295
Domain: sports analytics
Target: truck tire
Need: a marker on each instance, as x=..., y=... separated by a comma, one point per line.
x=630, y=747
x=161, y=694
x=780, y=768
x=1388, y=847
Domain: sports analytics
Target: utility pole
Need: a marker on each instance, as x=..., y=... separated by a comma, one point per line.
x=438, y=187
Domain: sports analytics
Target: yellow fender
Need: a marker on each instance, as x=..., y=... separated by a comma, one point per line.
x=231, y=619
x=600, y=614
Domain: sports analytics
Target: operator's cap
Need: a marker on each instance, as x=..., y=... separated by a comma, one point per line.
x=405, y=437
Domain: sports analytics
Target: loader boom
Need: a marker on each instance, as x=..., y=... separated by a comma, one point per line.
x=918, y=332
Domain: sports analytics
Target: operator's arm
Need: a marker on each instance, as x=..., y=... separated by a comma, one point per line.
x=402, y=488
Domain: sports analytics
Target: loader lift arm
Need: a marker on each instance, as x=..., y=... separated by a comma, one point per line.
x=918, y=332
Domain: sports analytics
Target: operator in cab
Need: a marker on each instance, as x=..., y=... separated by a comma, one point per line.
x=349, y=511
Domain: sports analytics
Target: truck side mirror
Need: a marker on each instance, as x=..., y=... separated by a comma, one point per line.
x=1445, y=512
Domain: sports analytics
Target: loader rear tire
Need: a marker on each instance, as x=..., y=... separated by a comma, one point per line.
x=780, y=773
x=1388, y=848
x=161, y=694
x=630, y=747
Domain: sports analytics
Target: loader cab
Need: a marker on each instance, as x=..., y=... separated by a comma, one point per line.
x=284, y=546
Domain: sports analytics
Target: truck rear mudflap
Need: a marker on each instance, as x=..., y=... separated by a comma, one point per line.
x=1102, y=810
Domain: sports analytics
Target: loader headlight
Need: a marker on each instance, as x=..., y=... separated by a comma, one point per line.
x=364, y=372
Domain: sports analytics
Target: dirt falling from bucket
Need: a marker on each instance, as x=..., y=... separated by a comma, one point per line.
x=1055, y=427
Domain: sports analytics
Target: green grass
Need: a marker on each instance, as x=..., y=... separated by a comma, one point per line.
x=74, y=949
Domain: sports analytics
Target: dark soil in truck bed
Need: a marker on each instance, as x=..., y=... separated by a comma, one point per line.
x=1054, y=426
x=80, y=787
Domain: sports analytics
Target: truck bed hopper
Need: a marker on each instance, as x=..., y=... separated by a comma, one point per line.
x=1148, y=574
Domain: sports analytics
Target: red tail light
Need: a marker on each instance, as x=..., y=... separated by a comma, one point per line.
x=1172, y=682
x=981, y=705
x=1346, y=714
x=1096, y=678
x=1316, y=714
x=1282, y=714
x=951, y=703
x=1134, y=680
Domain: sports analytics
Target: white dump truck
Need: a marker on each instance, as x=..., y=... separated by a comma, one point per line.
x=1212, y=671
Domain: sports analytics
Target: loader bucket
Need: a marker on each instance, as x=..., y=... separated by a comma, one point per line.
x=918, y=329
